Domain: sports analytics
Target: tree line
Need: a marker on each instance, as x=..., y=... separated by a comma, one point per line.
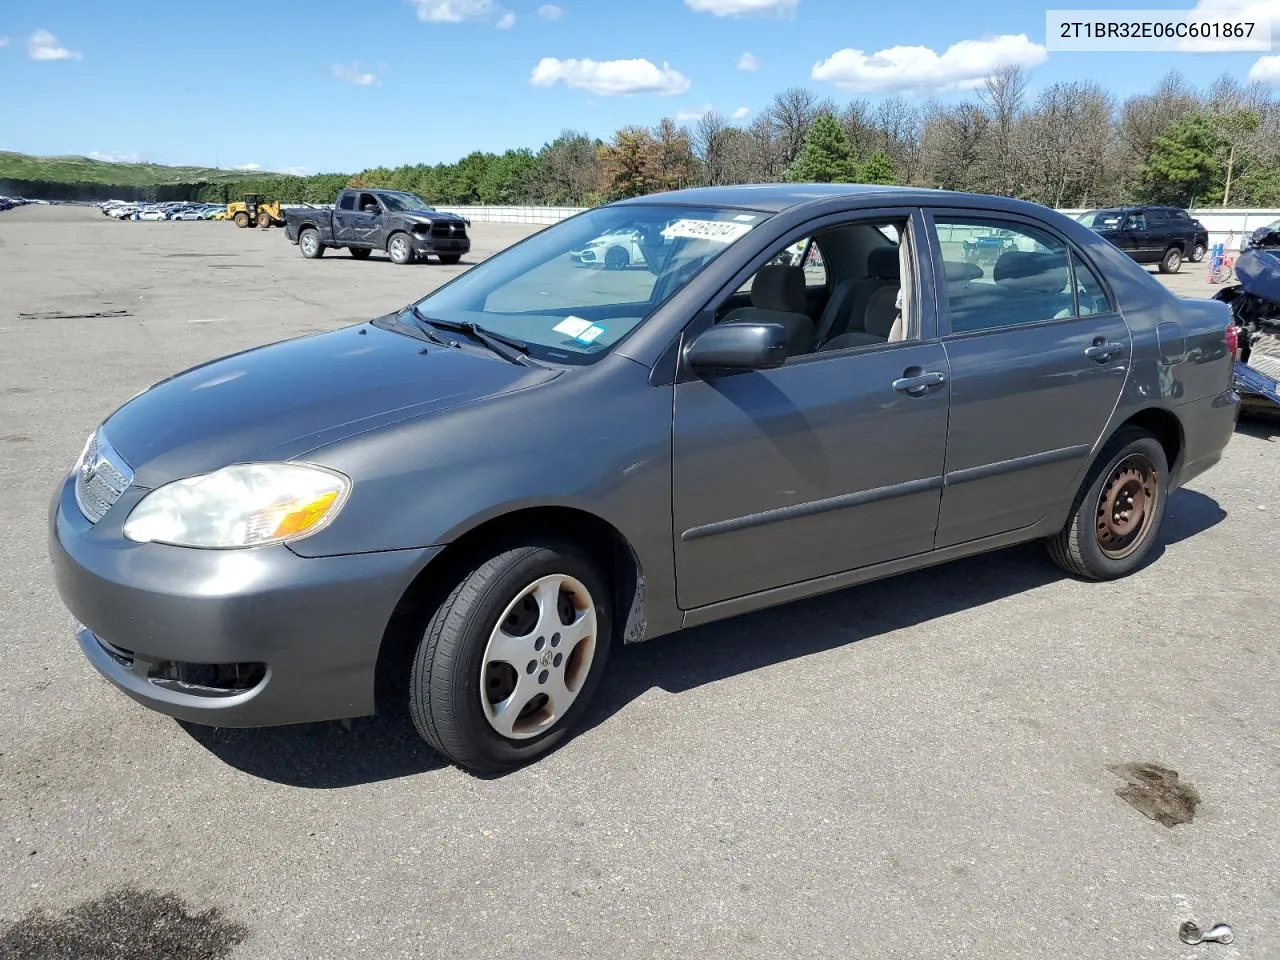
x=1073, y=144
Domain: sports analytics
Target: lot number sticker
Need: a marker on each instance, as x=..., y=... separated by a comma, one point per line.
x=721, y=231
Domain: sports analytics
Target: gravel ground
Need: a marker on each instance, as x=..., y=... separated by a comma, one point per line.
x=922, y=767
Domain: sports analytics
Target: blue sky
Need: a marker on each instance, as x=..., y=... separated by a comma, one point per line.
x=330, y=85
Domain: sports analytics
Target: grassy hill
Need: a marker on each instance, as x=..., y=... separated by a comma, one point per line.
x=20, y=166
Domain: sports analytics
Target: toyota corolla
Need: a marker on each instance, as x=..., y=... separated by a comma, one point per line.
x=534, y=463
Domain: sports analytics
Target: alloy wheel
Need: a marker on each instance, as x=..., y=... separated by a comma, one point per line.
x=538, y=656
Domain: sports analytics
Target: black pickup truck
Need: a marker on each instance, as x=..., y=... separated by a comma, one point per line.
x=1152, y=234
x=365, y=220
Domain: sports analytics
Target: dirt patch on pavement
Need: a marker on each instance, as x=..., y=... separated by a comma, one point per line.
x=1157, y=792
x=123, y=925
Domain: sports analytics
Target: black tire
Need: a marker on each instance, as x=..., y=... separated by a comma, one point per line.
x=449, y=259
x=241, y=219
x=1077, y=548
x=615, y=258
x=1171, y=262
x=360, y=253
x=400, y=248
x=264, y=220
x=444, y=684
x=1197, y=252
x=309, y=243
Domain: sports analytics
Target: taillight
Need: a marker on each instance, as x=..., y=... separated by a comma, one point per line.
x=1233, y=338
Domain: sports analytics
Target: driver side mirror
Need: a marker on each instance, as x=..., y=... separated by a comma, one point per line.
x=739, y=346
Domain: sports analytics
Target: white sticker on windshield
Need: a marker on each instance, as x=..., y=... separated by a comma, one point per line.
x=721, y=231
x=589, y=334
x=745, y=217
x=572, y=326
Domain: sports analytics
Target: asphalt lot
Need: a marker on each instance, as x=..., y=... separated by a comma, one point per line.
x=915, y=768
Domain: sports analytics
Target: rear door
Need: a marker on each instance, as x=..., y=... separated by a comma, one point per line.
x=1161, y=232
x=1138, y=243
x=1038, y=356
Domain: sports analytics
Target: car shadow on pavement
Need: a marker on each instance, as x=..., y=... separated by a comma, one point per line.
x=1264, y=428
x=386, y=746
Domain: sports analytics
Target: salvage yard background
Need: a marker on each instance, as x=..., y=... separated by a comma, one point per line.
x=922, y=767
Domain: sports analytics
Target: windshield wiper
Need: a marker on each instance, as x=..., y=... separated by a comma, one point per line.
x=423, y=326
x=509, y=348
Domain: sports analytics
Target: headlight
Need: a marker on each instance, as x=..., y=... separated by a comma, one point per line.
x=244, y=505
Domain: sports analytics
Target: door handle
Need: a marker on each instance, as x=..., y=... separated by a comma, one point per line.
x=1101, y=351
x=919, y=384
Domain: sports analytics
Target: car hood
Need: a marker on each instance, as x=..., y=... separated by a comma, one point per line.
x=279, y=401
x=427, y=217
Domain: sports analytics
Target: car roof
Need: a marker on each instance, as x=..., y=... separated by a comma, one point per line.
x=779, y=197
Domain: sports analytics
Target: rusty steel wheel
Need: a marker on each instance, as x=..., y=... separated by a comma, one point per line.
x=1123, y=516
x=1115, y=517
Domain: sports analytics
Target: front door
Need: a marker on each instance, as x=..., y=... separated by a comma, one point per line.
x=360, y=225
x=1038, y=357
x=830, y=462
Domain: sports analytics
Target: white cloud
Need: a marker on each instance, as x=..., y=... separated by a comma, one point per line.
x=610, y=78
x=297, y=171
x=248, y=166
x=686, y=115
x=507, y=21
x=4, y=41
x=1254, y=10
x=741, y=113
x=961, y=66
x=455, y=11
x=110, y=156
x=549, y=11
x=748, y=63
x=743, y=8
x=1266, y=70
x=43, y=45
x=351, y=73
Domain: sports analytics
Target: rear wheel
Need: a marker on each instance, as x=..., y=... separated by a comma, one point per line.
x=1197, y=253
x=309, y=243
x=399, y=249
x=360, y=253
x=1171, y=262
x=508, y=663
x=1115, y=518
x=450, y=258
x=241, y=219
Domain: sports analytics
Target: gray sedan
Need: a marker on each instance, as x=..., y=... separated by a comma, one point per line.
x=467, y=502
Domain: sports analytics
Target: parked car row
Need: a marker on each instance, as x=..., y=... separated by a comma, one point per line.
x=173, y=210
x=8, y=203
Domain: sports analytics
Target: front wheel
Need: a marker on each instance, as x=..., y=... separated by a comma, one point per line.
x=509, y=661
x=1115, y=518
x=1171, y=262
x=399, y=249
x=264, y=220
x=309, y=243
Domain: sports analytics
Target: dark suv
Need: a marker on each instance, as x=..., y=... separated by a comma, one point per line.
x=1152, y=234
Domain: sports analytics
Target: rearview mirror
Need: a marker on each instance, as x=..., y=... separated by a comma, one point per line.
x=739, y=346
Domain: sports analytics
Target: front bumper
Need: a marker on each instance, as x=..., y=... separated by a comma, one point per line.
x=232, y=638
x=425, y=243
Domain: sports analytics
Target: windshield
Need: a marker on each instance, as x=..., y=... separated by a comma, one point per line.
x=404, y=201
x=570, y=298
x=1102, y=219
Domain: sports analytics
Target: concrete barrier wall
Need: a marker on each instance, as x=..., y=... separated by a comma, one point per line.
x=1229, y=226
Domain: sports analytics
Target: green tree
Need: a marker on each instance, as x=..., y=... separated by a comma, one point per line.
x=1183, y=164
x=877, y=169
x=826, y=156
x=629, y=163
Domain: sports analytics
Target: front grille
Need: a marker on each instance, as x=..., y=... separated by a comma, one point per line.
x=102, y=477
x=448, y=229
